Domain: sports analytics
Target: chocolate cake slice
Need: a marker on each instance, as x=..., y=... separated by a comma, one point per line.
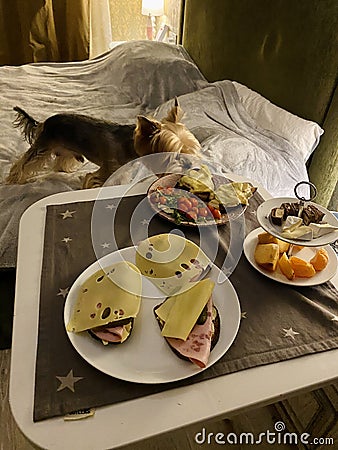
x=290, y=209
x=311, y=214
x=277, y=215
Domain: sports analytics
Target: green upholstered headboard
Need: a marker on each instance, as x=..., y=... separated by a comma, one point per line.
x=287, y=50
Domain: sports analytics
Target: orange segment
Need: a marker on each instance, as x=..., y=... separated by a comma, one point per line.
x=297, y=248
x=286, y=267
x=302, y=268
x=320, y=260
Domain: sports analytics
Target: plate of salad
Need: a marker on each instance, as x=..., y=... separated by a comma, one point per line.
x=198, y=198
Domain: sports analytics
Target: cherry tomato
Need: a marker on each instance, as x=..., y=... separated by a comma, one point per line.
x=192, y=215
x=182, y=207
x=215, y=212
x=185, y=200
x=163, y=200
x=181, y=201
x=203, y=212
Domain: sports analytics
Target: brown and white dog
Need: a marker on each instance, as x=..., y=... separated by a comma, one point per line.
x=63, y=141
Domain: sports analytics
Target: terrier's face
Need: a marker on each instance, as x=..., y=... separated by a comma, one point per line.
x=169, y=135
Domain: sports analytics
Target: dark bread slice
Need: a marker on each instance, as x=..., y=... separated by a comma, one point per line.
x=117, y=323
x=214, y=339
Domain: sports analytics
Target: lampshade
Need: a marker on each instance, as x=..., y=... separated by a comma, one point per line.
x=153, y=7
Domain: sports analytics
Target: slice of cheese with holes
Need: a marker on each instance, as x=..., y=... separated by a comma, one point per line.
x=170, y=261
x=110, y=294
x=180, y=312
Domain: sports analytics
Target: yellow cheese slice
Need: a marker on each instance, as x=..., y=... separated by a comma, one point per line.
x=198, y=180
x=110, y=294
x=185, y=309
x=163, y=311
x=233, y=194
x=125, y=334
x=170, y=261
x=227, y=195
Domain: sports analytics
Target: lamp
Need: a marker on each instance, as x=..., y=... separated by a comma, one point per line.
x=152, y=8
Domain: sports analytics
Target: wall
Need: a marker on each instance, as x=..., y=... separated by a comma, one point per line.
x=283, y=49
x=129, y=24
x=127, y=21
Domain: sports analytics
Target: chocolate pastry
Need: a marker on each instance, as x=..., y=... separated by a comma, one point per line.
x=277, y=215
x=290, y=209
x=311, y=214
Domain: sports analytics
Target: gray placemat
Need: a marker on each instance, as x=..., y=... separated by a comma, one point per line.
x=278, y=322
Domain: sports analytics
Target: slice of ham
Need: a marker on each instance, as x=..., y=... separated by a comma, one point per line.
x=111, y=334
x=198, y=344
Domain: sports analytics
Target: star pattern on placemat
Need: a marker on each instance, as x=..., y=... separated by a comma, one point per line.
x=268, y=341
x=290, y=333
x=67, y=214
x=145, y=222
x=105, y=245
x=63, y=292
x=68, y=381
x=67, y=239
x=244, y=315
x=111, y=207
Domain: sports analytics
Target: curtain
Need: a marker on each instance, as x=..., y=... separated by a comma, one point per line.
x=53, y=30
x=100, y=27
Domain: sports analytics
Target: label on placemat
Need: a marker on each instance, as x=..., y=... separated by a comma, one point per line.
x=80, y=414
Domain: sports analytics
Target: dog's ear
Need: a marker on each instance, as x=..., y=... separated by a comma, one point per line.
x=175, y=114
x=147, y=126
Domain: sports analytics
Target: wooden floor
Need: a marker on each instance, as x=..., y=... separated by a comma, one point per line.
x=255, y=422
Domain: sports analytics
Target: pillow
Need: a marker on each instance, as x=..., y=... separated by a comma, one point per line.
x=303, y=134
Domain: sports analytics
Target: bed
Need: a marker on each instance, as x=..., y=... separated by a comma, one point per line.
x=239, y=130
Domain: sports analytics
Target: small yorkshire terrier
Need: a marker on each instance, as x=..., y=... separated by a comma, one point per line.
x=63, y=141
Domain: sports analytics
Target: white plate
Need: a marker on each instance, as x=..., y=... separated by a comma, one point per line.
x=263, y=212
x=145, y=357
x=306, y=253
